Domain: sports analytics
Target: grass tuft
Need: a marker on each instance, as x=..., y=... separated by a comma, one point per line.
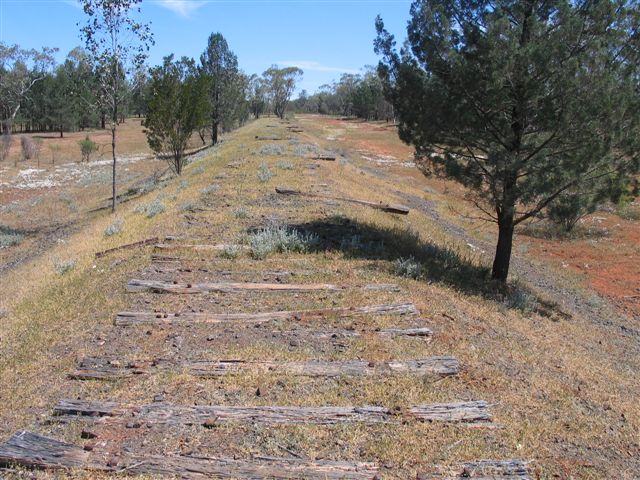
x=280, y=239
x=115, y=228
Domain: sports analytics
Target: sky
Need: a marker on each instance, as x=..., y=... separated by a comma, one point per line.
x=323, y=37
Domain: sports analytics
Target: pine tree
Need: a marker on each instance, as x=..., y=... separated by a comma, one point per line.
x=520, y=101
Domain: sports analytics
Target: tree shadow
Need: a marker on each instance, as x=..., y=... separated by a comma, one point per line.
x=411, y=256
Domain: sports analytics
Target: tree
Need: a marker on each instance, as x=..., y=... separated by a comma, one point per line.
x=118, y=46
x=521, y=101
x=257, y=96
x=281, y=84
x=176, y=108
x=220, y=65
x=20, y=70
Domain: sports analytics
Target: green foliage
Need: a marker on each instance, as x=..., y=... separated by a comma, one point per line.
x=225, y=84
x=408, y=267
x=280, y=84
x=264, y=174
x=152, y=209
x=278, y=240
x=9, y=237
x=175, y=110
x=231, y=251
x=523, y=104
x=115, y=228
x=87, y=148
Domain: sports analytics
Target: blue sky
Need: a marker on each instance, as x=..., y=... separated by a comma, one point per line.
x=323, y=37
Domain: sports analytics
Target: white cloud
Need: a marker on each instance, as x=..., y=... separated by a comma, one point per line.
x=309, y=65
x=184, y=8
x=73, y=3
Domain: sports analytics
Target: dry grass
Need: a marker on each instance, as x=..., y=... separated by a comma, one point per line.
x=564, y=390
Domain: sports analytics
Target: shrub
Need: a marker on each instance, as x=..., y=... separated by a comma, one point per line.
x=264, y=174
x=152, y=209
x=210, y=189
x=522, y=300
x=61, y=267
x=284, y=165
x=629, y=212
x=272, y=149
x=408, y=267
x=115, y=228
x=278, y=240
x=5, y=145
x=29, y=148
x=191, y=207
x=87, y=148
x=305, y=149
x=9, y=238
x=231, y=251
x=241, y=213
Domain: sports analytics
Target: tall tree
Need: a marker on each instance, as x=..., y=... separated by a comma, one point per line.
x=118, y=46
x=176, y=108
x=257, y=96
x=20, y=70
x=281, y=84
x=220, y=65
x=520, y=101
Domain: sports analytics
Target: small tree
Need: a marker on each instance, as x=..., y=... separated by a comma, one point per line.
x=257, y=96
x=281, y=83
x=220, y=66
x=118, y=46
x=176, y=109
x=5, y=145
x=521, y=102
x=29, y=148
x=87, y=148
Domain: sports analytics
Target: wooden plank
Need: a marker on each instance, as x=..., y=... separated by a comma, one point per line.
x=270, y=138
x=141, y=243
x=158, y=318
x=196, y=246
x=512, y=469
x=31, y=450
x=473, y=412
x=159, y=286
x=111, y=369
x=386, y=207
x=327, y=158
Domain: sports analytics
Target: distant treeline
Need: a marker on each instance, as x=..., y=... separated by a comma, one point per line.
x=353, y=95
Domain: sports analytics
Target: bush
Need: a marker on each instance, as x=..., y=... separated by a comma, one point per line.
x=210, y=189
x=629, y=212
x=278, y=240
x=305, y=149
x=87, y=148
x=191, y=207
x=115, y=228
x=29, y=148
x=272, y=149
x=9, y=238
x=231, y=251
x=264, y=174
x=408, y=267
x=152, y=209
x=283, y=165
x=61, y=267
x=522, y=300
x=241, y=213
x=5, y=145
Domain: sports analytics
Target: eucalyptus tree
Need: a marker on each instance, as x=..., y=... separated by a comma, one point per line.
x=20, y=71
x=118, y=45
x=521, y=101
x=281, y=84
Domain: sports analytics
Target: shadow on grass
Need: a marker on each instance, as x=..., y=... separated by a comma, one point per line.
x=411, y=256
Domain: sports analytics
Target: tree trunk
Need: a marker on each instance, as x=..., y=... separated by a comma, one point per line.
x=500, y=269
x=103, y=121
x=214, y=133
x=61, y=133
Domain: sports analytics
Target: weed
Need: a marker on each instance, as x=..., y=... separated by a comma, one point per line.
x=231, y=251
x=115, y=228
x=264, y=174
x=305, y=149
x=191, y=207
x=408, y=267
x=273, y=149
x=279, y=240
x=152, y=209
x=61, y=266
x=629, y=212
x=521, y=299
x=241, y=213
x=210, y=189
x=284, y=165
x=9, y=237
